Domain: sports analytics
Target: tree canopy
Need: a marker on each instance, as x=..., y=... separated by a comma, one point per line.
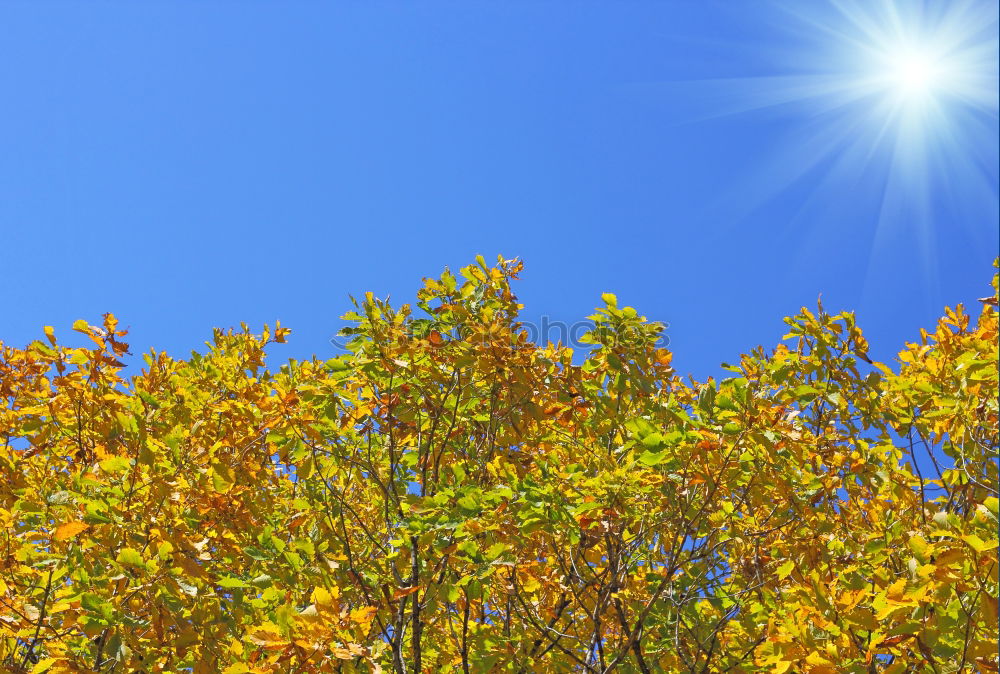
x=448, y=496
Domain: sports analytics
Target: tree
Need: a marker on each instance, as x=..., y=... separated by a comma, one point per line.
x=448, y=496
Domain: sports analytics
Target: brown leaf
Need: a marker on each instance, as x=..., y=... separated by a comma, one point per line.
x=404, y=591
x=893, y=641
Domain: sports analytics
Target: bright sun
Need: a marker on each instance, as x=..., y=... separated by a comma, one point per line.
x=898, y=97
x=913, y=73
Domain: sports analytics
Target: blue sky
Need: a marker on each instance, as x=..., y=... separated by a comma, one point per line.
x=195, y=164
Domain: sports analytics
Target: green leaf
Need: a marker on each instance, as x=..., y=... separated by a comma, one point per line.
x=706, y=399
x=116, y=464
x=653, y=458
x=231, y=581
x=805, y=392
x=468, y=504
x=785, y=569
x=96, y=605
x=587, y=507
x=130, y=557
x=654, y=441
x=96, y=513
x=495, y=550
x=222, y=478
x=978, y=544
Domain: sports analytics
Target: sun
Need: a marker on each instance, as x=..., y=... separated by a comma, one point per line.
x=913, y=74
x=894, y=103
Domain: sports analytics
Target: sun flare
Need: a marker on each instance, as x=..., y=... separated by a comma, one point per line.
x=889, y=98
x=913, y=74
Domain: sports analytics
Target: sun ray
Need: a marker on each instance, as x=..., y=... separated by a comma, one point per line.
x=901, y=93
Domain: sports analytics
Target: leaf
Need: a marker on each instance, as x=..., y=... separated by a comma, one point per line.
x=130, y=557
x=69, y=530
x=222, y=478
x=256, y=553
x=495, y=550
x=97, y=606
x=977, y=544
x=59, y=498
x=805, y=392
x=653, y=441
x=468, y=504
x=405, y=591
x=231, y=582
x=43, y=665
x=187, y=588
x=115, y=464
x=894, y=641
x=785, y=569
x=653, y=458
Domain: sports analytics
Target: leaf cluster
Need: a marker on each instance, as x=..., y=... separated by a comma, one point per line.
x=450, y=496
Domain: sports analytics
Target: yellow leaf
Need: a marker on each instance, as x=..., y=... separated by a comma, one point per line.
x=222, y=478
x=342, y=653
x=43, y=665
x=895, y=591
x=785, y=569
x=68, y=530
x=267, y=636
x=323, y=597
x=977, y=544
x=363, y=616
x=236, y=668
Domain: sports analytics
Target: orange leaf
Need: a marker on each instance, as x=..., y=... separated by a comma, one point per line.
x=68, y=530
x=402, y=592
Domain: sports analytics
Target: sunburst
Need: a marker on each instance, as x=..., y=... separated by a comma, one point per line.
x=897, y=93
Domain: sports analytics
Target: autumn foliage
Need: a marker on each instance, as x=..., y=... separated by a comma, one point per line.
x=449, y=497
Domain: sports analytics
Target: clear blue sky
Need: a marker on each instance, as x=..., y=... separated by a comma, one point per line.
x=195, y=164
